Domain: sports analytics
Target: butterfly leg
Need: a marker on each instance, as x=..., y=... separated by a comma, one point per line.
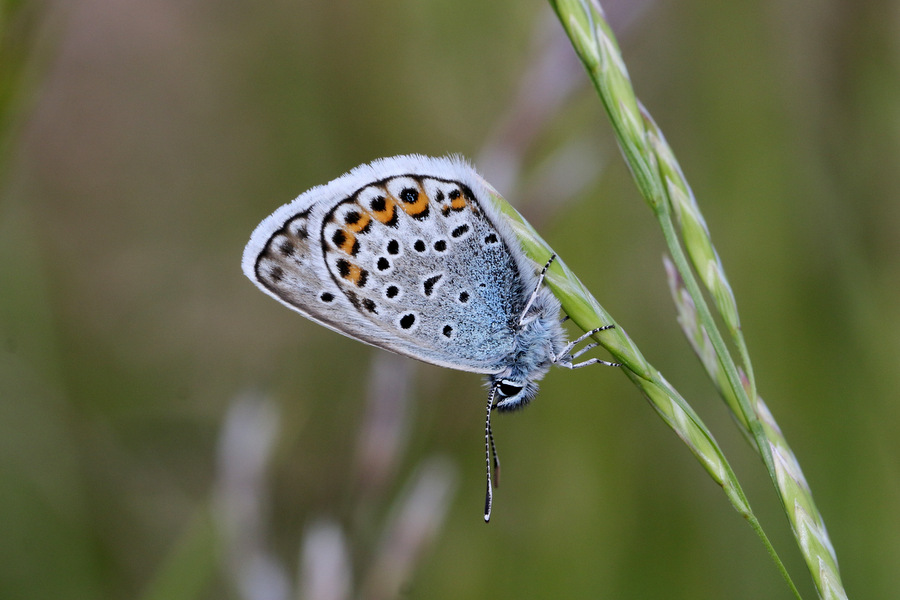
x=583, y=350
x=536, y=288
x=567, y=359
x=591, y=361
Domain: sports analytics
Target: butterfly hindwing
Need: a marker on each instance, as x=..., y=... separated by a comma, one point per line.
x=402, y=254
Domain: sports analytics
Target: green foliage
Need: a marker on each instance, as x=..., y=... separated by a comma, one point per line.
x=143, y=141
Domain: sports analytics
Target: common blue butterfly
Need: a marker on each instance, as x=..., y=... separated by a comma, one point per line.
x=409, y=254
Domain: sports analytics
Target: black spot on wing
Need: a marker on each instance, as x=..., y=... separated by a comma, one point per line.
x=286, y=248
x=353, y=298
x=428, y=285
x=461, y=230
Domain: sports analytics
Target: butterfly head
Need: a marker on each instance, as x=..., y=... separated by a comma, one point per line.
x=512, y=392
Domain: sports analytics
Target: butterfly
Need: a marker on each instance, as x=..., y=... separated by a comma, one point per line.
x=409, y=254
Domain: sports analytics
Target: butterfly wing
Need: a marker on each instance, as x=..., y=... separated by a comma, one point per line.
x=406, y=254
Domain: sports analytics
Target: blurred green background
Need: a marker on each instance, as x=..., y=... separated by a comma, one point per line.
x=167, y=431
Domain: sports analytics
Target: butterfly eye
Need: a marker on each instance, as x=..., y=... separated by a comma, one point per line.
x=508, y=389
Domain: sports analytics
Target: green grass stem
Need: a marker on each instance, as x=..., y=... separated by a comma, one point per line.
x=587, y=313
x=693, y=256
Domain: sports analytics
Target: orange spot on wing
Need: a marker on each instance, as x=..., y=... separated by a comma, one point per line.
x=418, y=206
x=387, y=215
x=349, y=246
x=361, y=224
x=351, y=272
x=356, y=275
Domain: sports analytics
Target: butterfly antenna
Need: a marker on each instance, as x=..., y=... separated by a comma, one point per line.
x=488, y=450
x=536, y=288
x=496, y=477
